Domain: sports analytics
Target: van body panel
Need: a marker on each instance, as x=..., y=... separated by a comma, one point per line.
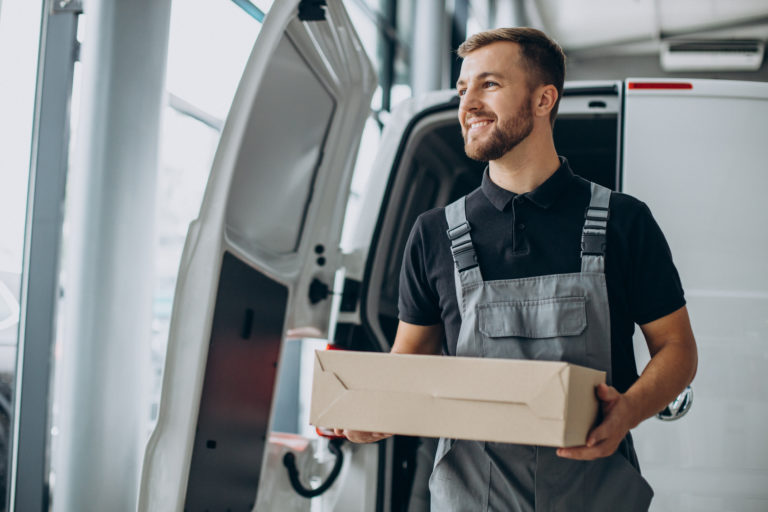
x=696, y=157
x=268, y=229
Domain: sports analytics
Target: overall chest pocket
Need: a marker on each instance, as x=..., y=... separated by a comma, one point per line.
x=546, y=329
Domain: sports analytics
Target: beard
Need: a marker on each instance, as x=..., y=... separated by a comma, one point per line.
x=503, y=138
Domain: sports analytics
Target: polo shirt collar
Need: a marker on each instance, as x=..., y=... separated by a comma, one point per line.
x=544, y=195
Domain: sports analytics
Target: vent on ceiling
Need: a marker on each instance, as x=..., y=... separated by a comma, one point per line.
x=712, y=55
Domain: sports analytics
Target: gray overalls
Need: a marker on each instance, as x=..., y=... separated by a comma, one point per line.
x=559, y=317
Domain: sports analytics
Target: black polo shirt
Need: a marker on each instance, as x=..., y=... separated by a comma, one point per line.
x=539, y=233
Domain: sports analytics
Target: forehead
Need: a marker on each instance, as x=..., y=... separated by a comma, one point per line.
x=501, y=58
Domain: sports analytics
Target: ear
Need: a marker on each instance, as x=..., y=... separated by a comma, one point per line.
x=545, y=98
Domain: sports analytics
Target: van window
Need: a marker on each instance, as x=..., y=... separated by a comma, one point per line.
x=589, y=142
x=275, y=171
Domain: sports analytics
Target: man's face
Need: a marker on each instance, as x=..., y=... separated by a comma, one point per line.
x=495, y=110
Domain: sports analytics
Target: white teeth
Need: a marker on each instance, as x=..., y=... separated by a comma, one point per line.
x=478, y=124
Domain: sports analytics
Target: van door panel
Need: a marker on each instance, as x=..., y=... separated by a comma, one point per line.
x=274, y=203
x=233, y=422
x=697, y=157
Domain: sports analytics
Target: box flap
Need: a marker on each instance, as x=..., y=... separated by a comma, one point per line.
x=582, y=403
x=327, y=389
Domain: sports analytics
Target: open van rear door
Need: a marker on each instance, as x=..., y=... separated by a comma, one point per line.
x=259, y=260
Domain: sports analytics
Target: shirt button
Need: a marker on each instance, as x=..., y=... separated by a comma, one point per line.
x=521, y=226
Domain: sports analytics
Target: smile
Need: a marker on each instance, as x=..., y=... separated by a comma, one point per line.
x=474, y=125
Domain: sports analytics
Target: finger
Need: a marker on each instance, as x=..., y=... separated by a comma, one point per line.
x=338, y=431
x=598, y=434
x=356, y=436
x=584, y=452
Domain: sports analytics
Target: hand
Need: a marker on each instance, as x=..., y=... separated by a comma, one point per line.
x=357, y=436
x=604, y=439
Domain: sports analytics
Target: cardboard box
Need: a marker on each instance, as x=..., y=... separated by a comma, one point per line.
x=504, y=400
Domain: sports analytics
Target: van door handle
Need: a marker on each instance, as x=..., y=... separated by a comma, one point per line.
x=318, y=291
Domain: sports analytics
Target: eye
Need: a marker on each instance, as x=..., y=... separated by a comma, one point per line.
x=489, y=83
x=462, y=92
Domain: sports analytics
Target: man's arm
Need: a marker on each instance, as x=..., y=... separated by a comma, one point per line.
x=418, y=339
x=410, y=339
x=672, y=367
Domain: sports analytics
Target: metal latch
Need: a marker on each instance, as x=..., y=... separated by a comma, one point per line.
x=312, y=10
x=67, y=6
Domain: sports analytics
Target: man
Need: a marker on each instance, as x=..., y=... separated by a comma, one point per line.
x=538, y=263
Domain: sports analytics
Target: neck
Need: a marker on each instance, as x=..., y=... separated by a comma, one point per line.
x=527, y=165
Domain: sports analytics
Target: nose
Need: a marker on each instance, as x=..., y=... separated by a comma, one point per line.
x=470, y=99
x=470, y=102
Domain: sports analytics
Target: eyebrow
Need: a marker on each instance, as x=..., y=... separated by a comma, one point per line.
x=484, y=74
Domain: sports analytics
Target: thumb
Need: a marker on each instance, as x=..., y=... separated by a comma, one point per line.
x=607, y=393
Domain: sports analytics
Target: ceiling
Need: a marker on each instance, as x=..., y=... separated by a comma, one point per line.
x=640, y=26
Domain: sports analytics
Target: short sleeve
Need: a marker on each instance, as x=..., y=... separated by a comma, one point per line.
x=656, y=290
x=418, y=302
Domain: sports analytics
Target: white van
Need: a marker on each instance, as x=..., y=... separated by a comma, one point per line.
x=263, y=264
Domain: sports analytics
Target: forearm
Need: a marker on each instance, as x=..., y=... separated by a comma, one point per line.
x=670, y=370
x=672, y=367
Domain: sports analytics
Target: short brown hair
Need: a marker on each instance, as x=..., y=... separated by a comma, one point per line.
x=542, y=57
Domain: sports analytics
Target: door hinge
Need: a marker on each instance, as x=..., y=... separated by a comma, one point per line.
x=350, y=295
x=353, y=263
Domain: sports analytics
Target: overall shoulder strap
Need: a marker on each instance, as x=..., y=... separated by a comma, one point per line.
x=458, y=232
x=593, y=235
x=466, y=269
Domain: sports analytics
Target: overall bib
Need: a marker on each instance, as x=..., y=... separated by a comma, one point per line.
x=558, y=317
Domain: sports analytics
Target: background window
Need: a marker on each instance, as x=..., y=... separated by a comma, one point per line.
x=19, y=49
